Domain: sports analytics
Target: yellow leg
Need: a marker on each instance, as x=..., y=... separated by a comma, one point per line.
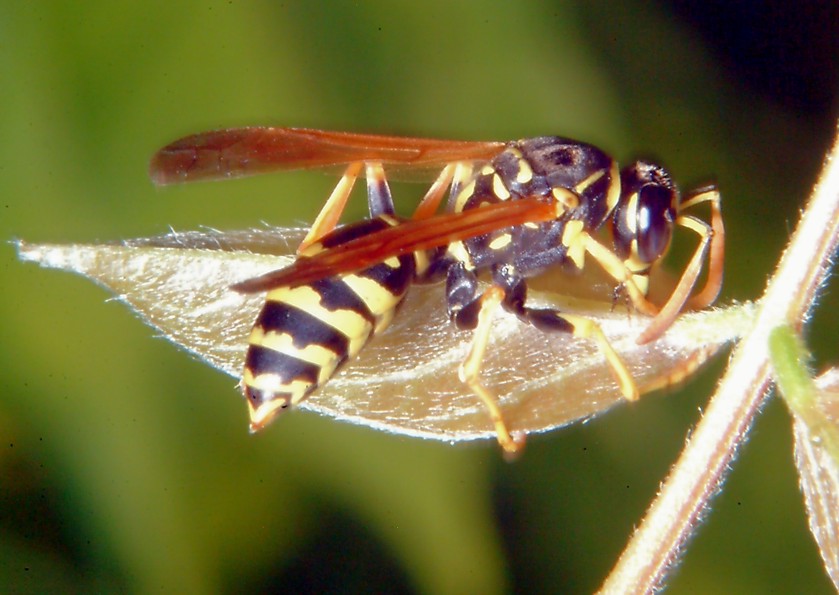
x=712, y=239
x=671, y=309
x=716, y=255
x=455, y=175
x=428, y=205
x=329, y=215
x=616, y=268
x=588, y=329
x=470, y=371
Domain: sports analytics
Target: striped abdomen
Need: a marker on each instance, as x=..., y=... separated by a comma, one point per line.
x=304, y=334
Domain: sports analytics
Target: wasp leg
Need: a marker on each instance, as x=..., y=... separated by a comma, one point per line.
x=716, y=257
x=634, y=283
x=470, y=312
x=470, y=371
x=510, y=291
x=429, y=203
x=674, y=304
x=379, y=198
x=552, y=320
x=329, y=215
x=456, y=174
x=712, y=235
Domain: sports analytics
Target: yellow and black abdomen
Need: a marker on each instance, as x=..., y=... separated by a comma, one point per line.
x=304, y=334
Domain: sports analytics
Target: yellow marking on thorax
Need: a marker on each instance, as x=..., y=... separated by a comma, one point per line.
x=572, y=239
x=565, y=199
x=498, y=188
x=501, y=242
x=457, y=250
x=614, y=193
x=585, y=184
x=525, y=173
x=465, y=194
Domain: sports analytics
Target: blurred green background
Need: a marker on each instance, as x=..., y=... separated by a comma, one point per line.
x=126, y=466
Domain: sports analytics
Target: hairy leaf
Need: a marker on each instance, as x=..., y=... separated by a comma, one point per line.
x=406, y=380
x=818, y=472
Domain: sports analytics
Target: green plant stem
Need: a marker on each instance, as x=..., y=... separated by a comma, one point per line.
x=799, y=390
x=702, y=466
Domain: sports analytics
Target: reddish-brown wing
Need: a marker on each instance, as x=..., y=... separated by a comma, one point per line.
x=410, y=236
x=239, y=152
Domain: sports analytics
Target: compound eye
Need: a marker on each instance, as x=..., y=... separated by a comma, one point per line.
x=655, y=221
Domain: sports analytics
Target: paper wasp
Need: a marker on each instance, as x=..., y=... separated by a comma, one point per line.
x=514, y=209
